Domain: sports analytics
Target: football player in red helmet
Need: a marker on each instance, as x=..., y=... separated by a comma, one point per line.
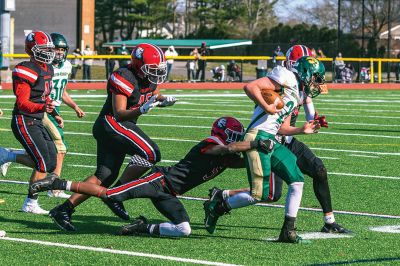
x=32, y=84
x=206, y=160
x=131, y=92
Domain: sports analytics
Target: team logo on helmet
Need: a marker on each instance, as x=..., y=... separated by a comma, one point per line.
x=30, y=37
x=221, y=123
x=139, y=53
x=312, y=61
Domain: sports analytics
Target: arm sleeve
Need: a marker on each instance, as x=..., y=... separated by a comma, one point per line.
x=22, y=92
x=309, y=110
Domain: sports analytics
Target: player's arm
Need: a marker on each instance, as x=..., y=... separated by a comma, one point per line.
x=66, y=98
x=253, y=91
x=309, y=109
x=241, y=146
x=309, y=127
x=119, y=102
x=22, y=93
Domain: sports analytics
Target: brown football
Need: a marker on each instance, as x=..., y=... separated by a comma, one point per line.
x=272, y=97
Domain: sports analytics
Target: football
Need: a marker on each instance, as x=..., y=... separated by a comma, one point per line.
x=272, y=97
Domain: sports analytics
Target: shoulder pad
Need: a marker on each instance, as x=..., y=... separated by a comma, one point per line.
x=26, y=71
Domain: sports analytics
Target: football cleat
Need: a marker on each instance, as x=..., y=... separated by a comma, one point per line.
x=289, y=236
x=117, y=208
x=139, y=226
x=4, y=168
x=33, y=207
x=58, y=194
x=43, y=184
x=215, y=194
x=2, y=233
x=62, y=218
x=211, y=217
x=335, y=228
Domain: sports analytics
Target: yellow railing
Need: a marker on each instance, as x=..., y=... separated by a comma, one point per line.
x=372, y=61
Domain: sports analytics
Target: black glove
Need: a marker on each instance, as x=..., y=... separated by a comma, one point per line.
x=265, y=145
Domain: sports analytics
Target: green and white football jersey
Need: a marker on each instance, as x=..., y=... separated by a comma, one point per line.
x=60, y=80
x=291, y=98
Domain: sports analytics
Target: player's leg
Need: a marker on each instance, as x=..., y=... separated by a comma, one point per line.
x=57, y=135
x=37, y=143
x=314, y=167
x=283, y=163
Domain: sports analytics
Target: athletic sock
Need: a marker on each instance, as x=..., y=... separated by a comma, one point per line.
x=329, y=219
x=11, y=157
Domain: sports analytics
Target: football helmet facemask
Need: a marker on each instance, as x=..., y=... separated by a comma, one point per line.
x=294, y=53
x=61, y=47
x=148, y=61
x=311, y=73
x=40, y=47
x=227, y=129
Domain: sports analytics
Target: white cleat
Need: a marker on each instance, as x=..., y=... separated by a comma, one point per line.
x=58, y=194
x=2, y=233
x=4, y=168
x=32, y=206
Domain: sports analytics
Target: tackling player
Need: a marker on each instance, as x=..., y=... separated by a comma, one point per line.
x=131, y=92
x=265, y=124
x=32, y=84
x=206, y=160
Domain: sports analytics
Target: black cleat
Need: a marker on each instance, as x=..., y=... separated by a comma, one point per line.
x=335, y=228
x=43, y=184
x=117, y=208
x=139, y=226
x=215, y=194
x=62, y=218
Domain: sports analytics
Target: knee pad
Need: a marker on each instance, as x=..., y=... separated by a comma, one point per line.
x=184, y=228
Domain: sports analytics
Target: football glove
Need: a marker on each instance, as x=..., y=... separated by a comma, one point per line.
x=168, y=101
x=265, y=145
x=150, y=104
x=321, y=120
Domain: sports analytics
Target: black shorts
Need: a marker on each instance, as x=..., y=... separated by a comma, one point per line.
x=154, y=187
x=114, y=141
x=37, y=142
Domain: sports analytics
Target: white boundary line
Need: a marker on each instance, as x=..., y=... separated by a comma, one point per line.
x=115, y=251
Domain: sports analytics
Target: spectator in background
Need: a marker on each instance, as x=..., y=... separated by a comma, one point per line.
x=170, y=52
x=339, y=65
x=234, y=71
x=75, y=62
x=347, y=73
x=313, y=52
x=398, y=68
x=87, y=63
x=123, y=51
x=277, y=53
x=218, y=73
x=203, y=51
x=110, y=62
x=191, y=65
x=320, y=53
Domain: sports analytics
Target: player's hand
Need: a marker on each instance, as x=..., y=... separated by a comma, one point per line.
x=271, y=109
x=311, y=127
x=60, y=121
x=321, y=120
x=79, y=112
x=265, y=145
x=168, y=101
x=150, y=104
x=49, y=106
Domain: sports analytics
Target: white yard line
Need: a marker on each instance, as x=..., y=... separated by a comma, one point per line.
x=361, y=155
x=115, y=251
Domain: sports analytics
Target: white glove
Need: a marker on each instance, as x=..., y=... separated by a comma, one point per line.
x=168, y=101
x=150, y=104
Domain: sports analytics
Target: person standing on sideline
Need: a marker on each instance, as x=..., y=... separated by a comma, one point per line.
x=203, y=51
x=87, y=63
x=76, y=63
x=110, y=62
x=123, y=51
x=170, y=52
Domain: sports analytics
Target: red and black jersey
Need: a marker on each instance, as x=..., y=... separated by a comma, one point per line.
x=123, y=81
x=197, y=167
x=32, y=85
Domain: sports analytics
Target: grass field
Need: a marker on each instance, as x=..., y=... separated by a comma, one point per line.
x=361, y=149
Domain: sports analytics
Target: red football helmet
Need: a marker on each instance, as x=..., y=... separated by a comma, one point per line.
x=294, y=53
x=40, y=47
x=227, y=129
x=148, y=61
